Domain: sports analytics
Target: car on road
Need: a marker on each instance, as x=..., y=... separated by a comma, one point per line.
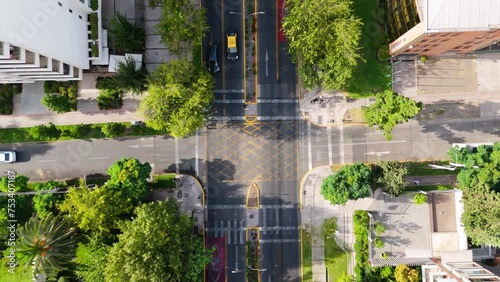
x=232, y=46
x=7, y=157
x=213, y=65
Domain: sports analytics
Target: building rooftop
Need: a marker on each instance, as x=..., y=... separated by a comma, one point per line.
x=461, y=15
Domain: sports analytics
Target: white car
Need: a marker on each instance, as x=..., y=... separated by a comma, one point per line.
x=7, y=156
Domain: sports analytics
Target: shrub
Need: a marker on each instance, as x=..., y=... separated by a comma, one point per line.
x=106, y=82
x=424, y=58
x=384, y=255
x=95, y=50
x=45, y=132
x=94, y=26
x=80, y=131
x=420, y=198
x=378, y=228
x=57, y=103
x=7, y=92
x=129, y=79
x=378, y=243
x=61, y=97
x=94, y=5
x=126, y=36
x=113, y=129
x=109, y=99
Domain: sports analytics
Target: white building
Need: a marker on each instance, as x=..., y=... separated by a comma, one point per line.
x=48, y=39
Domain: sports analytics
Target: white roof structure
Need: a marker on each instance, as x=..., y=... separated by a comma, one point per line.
x=114, y=60
x=466, y=15
x=47, y=28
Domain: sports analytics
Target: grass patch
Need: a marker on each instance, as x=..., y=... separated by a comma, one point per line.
x=423, y=169
x=336, y=260
x=356, y=115
x=18, y=276
x=370, y=76
x=411, y=189
x=306, y=256
x=163, y=181
x=21, y=135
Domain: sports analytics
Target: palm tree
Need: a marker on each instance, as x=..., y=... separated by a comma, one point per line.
x=47, y=244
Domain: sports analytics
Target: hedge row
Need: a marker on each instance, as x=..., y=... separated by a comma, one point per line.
x=361, y=223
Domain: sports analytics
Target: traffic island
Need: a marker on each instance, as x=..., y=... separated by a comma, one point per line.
x=253, y=255
x=250, y=39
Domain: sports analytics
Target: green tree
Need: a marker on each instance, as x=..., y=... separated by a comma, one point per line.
x=18, y=182
x=129, y=177
x=112, y=129
x=180, y=96
x=46, y=245
x=95, y=211
x=45, y=204
x=390, y=109
x=126, y=36
x=390, y=176
x=403, y=273
x=80, y=130
x=181, y=22
x=352, y=182
x=91, y=267
x=324, y=40
x=130, y=79
x=158, y=245
x=45, y=132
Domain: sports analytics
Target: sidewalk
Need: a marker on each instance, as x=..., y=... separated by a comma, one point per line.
x=323, y=108
x=28, y=110
x=315, y=209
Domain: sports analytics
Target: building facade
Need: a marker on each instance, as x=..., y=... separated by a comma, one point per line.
x=47, y=39
x=438, y=27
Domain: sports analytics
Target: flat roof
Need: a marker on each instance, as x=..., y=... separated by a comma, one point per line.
x=44, y=27
x=462, y=15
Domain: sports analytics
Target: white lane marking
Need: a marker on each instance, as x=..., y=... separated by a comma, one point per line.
x=154, y=154
x=378, y=154
x=222, y=207
x=46, y=161
x=235, y=233
x=379, y=142
x=242, y=233
x=176, y=155
x=330, y=151
x=264, y=219
x=309, y=148
x=98, y=158
x=197, y=152
x=263, y=241
x=277, y=219
x=341, y=144
x=229, y=91
x=141, y=146
x=242, y=228
x=280, y=118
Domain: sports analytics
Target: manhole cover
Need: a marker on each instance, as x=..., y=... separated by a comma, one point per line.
x=323, y=105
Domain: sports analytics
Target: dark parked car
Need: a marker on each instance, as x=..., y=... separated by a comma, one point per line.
x=213, y=65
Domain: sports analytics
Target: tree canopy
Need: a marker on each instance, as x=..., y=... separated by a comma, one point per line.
x=403, y=273
x=390, y=109
x=181, y=22
x=157, y=245
x=129, y=177
x=352, y=182
x=180, y=96
x=480, y=183
x=324, y=40
x=390, y=177
x=126, y=36
x=95, y=211
x=46, y=245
